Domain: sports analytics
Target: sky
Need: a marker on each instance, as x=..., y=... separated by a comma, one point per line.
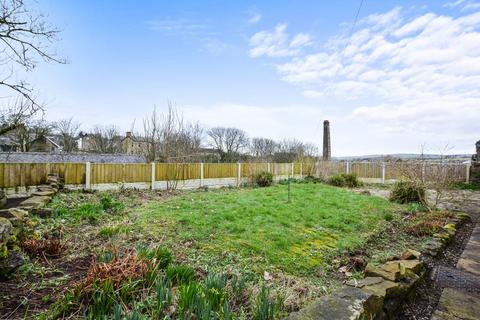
x=405, y=75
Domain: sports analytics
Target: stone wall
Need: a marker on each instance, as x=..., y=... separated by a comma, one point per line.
x=42, y=157
x=385, y=287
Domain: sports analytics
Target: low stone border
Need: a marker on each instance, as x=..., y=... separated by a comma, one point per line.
x=14, y=224
x=384, y=288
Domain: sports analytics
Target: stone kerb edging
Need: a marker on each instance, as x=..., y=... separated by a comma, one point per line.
x=15, y=223
x=384, y=288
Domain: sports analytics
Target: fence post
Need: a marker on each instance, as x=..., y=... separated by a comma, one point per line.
x=301, y=170
x=153, y=176
x=268, y=166
x=88, y=174
x=201, y=174
x=348, y=167
x=239, y=173
x=383, y=172
x=424, y=167
x=467, y=167
x=293, y=169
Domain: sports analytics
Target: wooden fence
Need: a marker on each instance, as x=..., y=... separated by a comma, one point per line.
x=88, y=175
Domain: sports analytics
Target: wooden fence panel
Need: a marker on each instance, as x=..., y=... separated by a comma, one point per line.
x=324, y=169
x=282, y=169
x=177, y=171
x=367, y=169
x=220, y=170
x=250, y=169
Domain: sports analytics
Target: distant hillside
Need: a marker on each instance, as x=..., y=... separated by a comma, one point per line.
x=406, y=156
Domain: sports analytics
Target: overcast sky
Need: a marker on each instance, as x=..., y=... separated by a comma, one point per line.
x=408, y=74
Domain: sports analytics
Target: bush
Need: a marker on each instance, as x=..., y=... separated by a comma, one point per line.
x=349, y=180
x=407, y=192
x=264, y=179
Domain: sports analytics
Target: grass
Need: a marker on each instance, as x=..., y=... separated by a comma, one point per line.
x=230, y=253
x=264, y=229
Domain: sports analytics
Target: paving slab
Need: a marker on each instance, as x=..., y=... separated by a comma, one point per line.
x=470, y=259
x=457, y=304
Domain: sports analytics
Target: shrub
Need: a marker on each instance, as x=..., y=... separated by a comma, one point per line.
x=407, y=192
x=264, y=179
x=349, y=180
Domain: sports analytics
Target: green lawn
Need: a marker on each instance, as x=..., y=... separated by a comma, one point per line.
x=260, y=228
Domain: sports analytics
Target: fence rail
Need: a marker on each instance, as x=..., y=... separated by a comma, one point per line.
x=88, y=175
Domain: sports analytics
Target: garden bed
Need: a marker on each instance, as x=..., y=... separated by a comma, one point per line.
x=287, y=250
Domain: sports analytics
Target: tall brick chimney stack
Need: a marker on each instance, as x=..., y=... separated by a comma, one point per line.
x=327, y=151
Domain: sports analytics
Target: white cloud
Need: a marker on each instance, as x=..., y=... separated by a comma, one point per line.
x=453, y=4
x=278, y=43
x=254, y=18
x=420, y=73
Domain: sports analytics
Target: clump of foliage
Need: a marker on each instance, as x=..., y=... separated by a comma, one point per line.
x=267, y=308
x=349, y=180
x=264, y=179
x=312, y=179
x=180, y=274
x=465, y=186
x=407, y=191
x=427, y=223
x=109, y=204
x=49, y=247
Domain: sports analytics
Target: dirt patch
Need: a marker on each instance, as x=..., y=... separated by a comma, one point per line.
x=31, y=293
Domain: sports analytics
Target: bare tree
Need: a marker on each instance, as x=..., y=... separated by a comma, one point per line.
x=68, y=129
x=228, y=142
x=29, y=131
x=105, y=139
x=24, y=38
x=170, y=138
x=263, y=148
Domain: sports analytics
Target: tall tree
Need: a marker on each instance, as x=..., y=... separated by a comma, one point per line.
x=68, y=129
x=263, y=148
x=24, y=39
x=228, y=142
x=105, y=139
x=28, y=131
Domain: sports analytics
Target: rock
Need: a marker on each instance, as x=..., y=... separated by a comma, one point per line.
x=462, y=216
x=450, y=228
x=443, y=236
x=348, y=303
x=44, y=193
x=384, y=289
x=389, y=271
x=9, y=264
x=433, y=247
x=410, y=254
x=364, y=282
x=3, y=199
x=408, y=267
x=35, y=202
x=5, y=229
x=45, y=187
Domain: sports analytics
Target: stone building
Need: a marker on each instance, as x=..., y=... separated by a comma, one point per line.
x=475, y=167
x=134, y=145
x=45, y=144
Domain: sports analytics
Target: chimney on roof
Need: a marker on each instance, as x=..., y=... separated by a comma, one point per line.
x=327, y=152
x=129, y=134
